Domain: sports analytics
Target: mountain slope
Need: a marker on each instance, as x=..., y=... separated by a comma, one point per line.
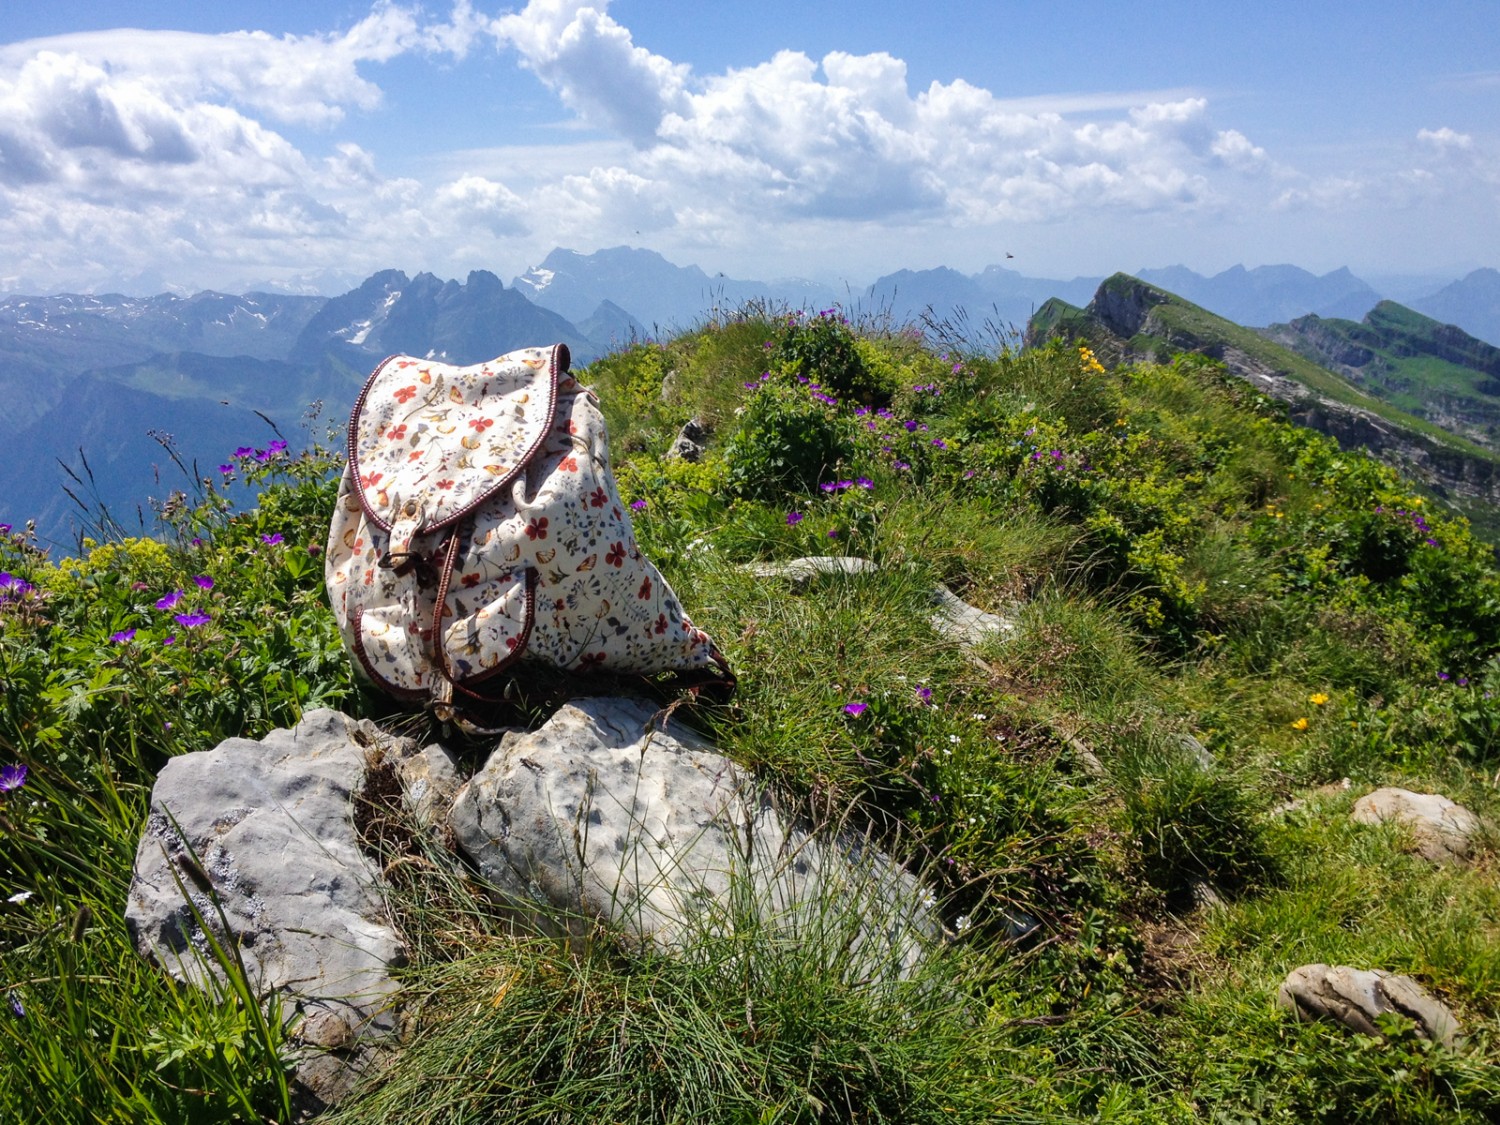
x=1436, y=371
x=1129, y=319
x=444, y=320
x=113, y=425
x=1472, y=302
x=648, y=287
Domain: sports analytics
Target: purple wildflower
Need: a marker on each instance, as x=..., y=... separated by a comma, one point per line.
x=169, y=600
x=191, y=620
x=833, y=533
x=939, y=443
x=226, y=469
x=276, y=447
x=16, y=1008
x=793, y=518
x=123, y=636
x=900, y=465
x=924, y=694
x=865, y=482
x=911, y=426
x=637, y=505
x=12, y=778
x=1444, y=676
x=273, y=539
x=203, y=581
x=170, y=639
x=4, y=529
x=244, y=451
x=6, y=578
x=856, y=709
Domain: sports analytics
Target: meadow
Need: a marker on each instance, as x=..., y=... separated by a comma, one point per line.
x=1132, y=810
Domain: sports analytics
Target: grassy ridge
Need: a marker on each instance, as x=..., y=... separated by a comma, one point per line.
x=1184, y=326
x=1217, y=613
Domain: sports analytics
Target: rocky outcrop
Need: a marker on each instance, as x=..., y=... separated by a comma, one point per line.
x=255, y=843
x=605, y=815
x=253, y=855
x=1356, y=998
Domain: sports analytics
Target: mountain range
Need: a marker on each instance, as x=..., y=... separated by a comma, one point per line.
x=125, y=398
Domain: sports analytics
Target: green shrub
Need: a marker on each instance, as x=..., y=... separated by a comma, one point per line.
x=786, y=442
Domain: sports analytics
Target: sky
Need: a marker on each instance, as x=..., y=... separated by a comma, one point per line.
x=173, y=145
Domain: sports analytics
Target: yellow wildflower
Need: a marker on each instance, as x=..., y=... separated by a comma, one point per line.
x=1299, y=724
x=1317, y=699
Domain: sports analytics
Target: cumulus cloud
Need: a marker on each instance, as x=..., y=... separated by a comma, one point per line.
x=846, y=138
x=594, y=65
x=180, y=143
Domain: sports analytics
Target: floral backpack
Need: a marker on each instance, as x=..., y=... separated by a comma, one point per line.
x=478, y=523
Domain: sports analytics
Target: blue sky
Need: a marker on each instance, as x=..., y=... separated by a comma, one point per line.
x=146, y=146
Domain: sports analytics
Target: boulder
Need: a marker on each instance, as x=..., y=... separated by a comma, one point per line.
x=1355, y=997
x=604, y=815
x=1441, y=830
x=258, y=839
x=691, y=442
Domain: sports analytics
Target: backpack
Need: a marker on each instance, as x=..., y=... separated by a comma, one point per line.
x=478, y=524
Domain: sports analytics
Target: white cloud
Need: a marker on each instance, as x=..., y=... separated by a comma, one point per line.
x=1445, y=139
x=593, y=64
x=121, y=146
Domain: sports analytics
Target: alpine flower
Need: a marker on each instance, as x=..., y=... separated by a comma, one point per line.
x=856, y=709
x=1299, y=724
x=12, y=777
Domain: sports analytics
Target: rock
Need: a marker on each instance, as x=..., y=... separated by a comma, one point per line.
x=279, y=867
x=800, y=571
x=1355, y=997
x=430, y=779
x=955, y=618
x=691, y=443
x=1196, y=751
x=1442, y=831
x=964, y=623
x=603, y=815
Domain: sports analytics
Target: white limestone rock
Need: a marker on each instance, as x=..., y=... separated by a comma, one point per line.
x=1355, y=997
x=603, y=815
x=1442, y=831
x=279, y=875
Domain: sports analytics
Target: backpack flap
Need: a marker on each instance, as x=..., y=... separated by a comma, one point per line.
x=429, y=443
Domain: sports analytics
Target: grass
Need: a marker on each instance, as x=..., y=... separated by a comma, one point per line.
x=1178, y=561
